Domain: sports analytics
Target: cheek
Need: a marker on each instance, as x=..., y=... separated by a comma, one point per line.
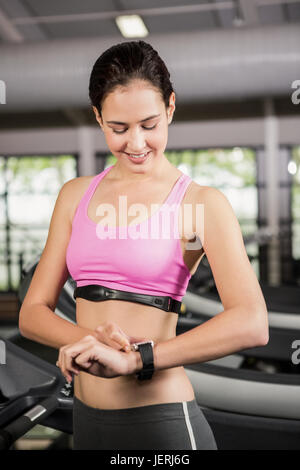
x=114, y=141
x=158, y=139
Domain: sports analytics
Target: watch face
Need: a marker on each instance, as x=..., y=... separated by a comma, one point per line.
x=136, y=345
x=145, y=342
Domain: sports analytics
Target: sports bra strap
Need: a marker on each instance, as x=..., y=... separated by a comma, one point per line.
x=178, y=194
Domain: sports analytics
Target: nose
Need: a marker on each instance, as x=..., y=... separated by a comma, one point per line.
x=136, y=142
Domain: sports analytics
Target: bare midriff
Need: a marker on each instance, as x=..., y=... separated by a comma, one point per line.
x=136, y=320
x=142, y=321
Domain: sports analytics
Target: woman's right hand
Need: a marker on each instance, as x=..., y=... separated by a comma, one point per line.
x=112, y=335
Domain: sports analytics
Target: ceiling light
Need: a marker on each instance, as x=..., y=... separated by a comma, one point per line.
x=131, y=26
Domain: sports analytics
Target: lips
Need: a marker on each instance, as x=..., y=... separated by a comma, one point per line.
x=138, y=160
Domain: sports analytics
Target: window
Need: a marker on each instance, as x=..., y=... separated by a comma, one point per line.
x=232, y=171
x=294, y=169
x=29, y=186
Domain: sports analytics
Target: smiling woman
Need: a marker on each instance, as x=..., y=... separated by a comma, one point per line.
x=131, y=389
x=134, y=103
x=136, y=141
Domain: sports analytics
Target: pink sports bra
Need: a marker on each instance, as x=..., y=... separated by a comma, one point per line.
x=144, y=258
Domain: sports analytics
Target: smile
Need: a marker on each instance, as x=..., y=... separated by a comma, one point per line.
x=138, y=158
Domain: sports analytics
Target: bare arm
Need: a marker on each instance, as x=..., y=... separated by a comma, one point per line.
x=41, y=324
x=218, y=337
x=244, y=322
x=37, y=320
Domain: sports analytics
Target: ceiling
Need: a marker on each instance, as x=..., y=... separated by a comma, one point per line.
x=27, y=21
x=38, y=20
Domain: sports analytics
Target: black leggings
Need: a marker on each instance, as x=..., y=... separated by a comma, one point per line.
x=164, y=426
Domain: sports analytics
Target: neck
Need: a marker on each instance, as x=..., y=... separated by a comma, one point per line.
x=152, y=172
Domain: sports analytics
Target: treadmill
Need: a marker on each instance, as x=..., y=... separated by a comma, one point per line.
x=246, y=409
x=32, y=391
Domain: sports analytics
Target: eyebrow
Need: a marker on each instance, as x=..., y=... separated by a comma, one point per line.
x=124, y=123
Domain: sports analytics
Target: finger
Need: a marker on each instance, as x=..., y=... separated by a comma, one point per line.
x=121, y=341
x=64, y=350
x=105, y=336
x=63, y=359
x=126, y=343
x=117, y=338
x=58, y=362
x=83, y=359
x=99, y=332
x=62, y=364
x=67, y=358
x=70, y=365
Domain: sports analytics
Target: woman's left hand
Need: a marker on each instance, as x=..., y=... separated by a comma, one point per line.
x=91, y=356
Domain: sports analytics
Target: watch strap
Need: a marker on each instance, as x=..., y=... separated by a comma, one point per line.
x=146, y=352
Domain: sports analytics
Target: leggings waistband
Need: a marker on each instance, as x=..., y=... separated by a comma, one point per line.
x=159, y=411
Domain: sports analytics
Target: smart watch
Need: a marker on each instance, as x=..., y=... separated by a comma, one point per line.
x=146, y=350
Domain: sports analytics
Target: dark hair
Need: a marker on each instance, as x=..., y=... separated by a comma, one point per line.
x=124, y=62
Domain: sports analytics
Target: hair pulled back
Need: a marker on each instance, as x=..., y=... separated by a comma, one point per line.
x=124, y=62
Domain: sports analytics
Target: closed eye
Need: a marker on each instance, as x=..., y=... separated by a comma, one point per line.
x=144, y=127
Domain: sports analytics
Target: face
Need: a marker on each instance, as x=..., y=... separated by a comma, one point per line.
x=135, y=122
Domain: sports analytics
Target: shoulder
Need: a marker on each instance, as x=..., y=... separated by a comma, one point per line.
x=193, y=192
x=192, y=203
x=217, y=217
x=72, y=188
x=215, y=205
x=209, y=204
x=72, y=191
x=76, y=183
x=199, y=194
x=210, y=196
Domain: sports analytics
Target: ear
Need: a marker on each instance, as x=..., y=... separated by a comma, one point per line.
x=171, y=107
x=98, y=117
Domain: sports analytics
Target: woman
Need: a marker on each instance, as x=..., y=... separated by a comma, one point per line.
x=127, y=396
